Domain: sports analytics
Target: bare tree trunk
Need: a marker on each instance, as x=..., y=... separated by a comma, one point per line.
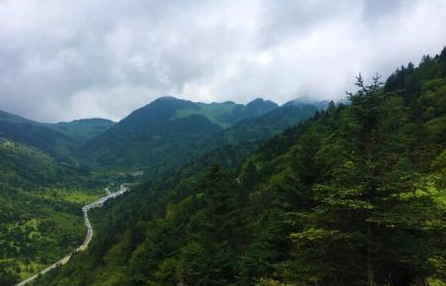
x=370, y=271
x=180, y=277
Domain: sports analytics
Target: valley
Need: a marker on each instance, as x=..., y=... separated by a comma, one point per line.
x=40, y=217
x=223, y=143
x=88, y=238
x=52, y=177
x=306, y=193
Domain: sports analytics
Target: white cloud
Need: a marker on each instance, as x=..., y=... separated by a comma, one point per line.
x=61, y=60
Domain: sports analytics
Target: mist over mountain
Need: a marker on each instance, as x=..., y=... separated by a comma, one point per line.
x=223, y=143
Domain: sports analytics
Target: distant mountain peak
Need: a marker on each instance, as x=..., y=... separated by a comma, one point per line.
x=4, y=115
x=88, y=120
x=168, y=98
x=306, y=100
x=260, y=99
x=259, y=106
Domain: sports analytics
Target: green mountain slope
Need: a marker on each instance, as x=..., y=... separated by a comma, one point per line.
x=41, y=192
x=84, y=129
x=6, y=116
x=228, y=113
x=355, y=196
x=35, y=134
x=60, y=140
x=263, y=127
x=163, y=134
x=230, y=146
x=40, y=218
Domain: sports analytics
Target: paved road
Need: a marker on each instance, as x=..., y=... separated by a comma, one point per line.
x=88, y=238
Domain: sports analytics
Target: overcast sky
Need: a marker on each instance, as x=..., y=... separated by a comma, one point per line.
x=62, y=60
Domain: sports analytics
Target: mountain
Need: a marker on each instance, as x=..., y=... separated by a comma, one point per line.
x=321, y=104
x=257, y=129
x=231, y=146
x=258, y=107
x=162, y=134
x=60, y=140
x=228, y=113
x=83, y=130
x=41, y=188
x=6, y=116
x=39, y=135
x=148, y=134
x=353, y=196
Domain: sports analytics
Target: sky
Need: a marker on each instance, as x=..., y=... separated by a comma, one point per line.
x=71, y=59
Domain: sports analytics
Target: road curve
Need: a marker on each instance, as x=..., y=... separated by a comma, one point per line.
x=88, y=238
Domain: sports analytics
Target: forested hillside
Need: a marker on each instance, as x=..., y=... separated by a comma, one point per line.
x=40, y=200
x=35, y=134
x=354, y=196
x=171, y=132
x=83, y=130
x=43, y=186
x=60, y=140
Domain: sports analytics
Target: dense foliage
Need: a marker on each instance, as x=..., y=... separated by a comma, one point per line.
x=171, y=132
x=227, y=113
x=43, y=185
x=41, y=192
x=60, y=140
x=40, y=217
x=354, y=196
x=83, y=130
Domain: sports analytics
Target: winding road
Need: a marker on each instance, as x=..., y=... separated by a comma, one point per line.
x=88, y=238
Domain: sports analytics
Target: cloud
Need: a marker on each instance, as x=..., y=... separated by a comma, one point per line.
x=61, y=60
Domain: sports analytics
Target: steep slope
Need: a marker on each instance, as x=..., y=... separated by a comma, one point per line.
x=230, y=146
x=165, y=133
x=355, y=196
x=259, y=128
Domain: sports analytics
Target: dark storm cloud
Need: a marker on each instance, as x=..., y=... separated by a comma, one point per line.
x=61, y=60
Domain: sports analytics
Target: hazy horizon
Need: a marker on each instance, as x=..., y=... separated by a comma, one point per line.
x=59, y=61
x=303, y=99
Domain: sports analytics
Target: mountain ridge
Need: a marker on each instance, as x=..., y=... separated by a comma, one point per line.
x=138, y=135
